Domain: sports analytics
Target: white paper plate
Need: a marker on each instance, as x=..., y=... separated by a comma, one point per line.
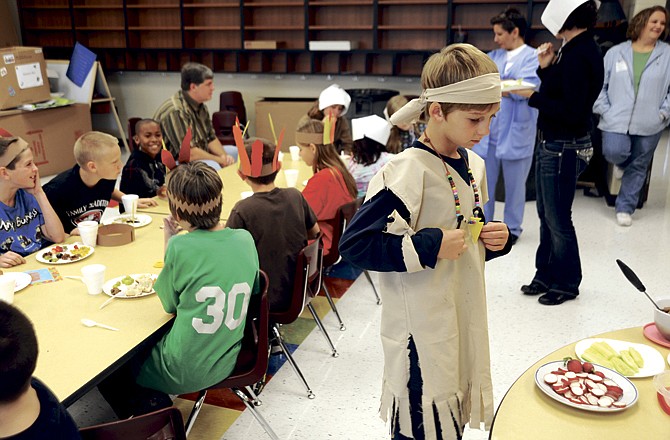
x=66, y=248
x=629, y=396
x=124, y=219
x=21, y=279
x=107, y=287
x=653, y=360
x=513, y=84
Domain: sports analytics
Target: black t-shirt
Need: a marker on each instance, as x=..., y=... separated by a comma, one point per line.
x=53, y=421
x=278, y=220
x=75, y=202
x=142, y=175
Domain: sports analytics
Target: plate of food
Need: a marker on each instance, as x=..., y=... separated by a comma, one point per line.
x=125, y=219
x=64, y=253
x=585, y=386
x=21, y=279
x=508, y=85
x=134, y=285
x=627, y=358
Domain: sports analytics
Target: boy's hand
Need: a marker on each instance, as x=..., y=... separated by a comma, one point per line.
x=453, y=244
x=162, y=192
x=146, y=203
x=228, y=160
x=494, y=235
x=171, y=227
x=11, y=259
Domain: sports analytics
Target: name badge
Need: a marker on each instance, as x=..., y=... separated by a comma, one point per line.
x=620, y=66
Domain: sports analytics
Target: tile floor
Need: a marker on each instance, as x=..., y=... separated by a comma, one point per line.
x=521, y=330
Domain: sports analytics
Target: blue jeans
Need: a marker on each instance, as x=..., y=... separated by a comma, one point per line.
x=633, y=154
x=558, y=164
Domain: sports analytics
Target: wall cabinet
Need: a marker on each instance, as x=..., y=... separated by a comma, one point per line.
x=390, y=37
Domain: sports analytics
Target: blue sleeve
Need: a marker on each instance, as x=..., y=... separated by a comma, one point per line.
x=366, y=244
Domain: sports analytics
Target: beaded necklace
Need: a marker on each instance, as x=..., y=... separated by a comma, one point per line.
x=477, y=211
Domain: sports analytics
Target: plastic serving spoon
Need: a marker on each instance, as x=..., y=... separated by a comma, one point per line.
x=92, y=323
x=635, y=281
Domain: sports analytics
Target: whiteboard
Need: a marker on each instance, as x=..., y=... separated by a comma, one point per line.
x=69, y=89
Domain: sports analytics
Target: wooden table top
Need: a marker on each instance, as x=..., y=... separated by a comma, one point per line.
x=527, y=413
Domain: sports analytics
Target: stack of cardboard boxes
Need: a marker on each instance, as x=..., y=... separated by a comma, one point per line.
x=51, y=133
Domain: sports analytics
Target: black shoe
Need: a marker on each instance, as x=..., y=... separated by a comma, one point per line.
x=554, y=298
x=513, y=238
x=533, y=289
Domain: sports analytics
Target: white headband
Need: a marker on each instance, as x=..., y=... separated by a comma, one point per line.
x=483, y=89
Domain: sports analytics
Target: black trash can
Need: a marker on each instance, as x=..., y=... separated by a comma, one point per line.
x=366, y=102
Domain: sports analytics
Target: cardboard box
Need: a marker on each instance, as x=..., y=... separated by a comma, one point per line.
x=286, y=112
x=262, y=44
x=23, y=77
x=51, y=134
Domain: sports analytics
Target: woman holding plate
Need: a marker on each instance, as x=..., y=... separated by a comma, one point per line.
x=634, y=104
x=512, y=139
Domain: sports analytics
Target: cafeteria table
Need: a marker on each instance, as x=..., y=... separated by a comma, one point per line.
x=527, y=413
x=73, y=358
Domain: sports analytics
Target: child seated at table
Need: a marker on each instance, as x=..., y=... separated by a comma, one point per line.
x=332, y=185
x=27, y=220
x=369, y=153
x=333, y=103
x=144, y=173
x=83, y=192
x=28, y=409
x=279, y=219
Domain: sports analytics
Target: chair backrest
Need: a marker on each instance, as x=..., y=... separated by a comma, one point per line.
x=223, y=122
x=252, y=361
x=164, y=424
x=232, y=101
x=131, y=133
x=342, y=218
x=306, y=284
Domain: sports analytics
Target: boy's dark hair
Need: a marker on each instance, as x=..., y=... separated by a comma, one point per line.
x=194, y=73
x=268, y=157
x=142, y=122
x=511, y=19
x=638, y=23
x=584, y=17
x=367, y=151
x=18, y=352
x=194, y=194
x=5, y=142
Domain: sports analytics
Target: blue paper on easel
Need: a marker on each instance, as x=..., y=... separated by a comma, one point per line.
x=80, y=64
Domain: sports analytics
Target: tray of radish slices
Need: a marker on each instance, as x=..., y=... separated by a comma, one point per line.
x=585, y=386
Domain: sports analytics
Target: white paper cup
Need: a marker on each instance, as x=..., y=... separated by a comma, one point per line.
x=88, y=230
x=280, y=156
x=291, y=177
x=93, y=276
x=246, y=194
x=295, y=153
x=345, y=158
x=7, y=287
x=130, y=204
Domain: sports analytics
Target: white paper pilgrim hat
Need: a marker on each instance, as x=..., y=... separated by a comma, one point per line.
x=557, y=11
x=373, y=127
x=334, y=95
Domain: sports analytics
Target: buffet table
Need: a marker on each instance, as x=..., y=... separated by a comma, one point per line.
x=527, y=413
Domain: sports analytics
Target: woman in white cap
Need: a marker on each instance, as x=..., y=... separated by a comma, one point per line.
x=634, y=104
x=369, y=152
x=422, y=226
x=332, y=105
x=571, y=81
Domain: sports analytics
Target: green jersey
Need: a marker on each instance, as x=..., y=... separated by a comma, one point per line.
x=206, y=282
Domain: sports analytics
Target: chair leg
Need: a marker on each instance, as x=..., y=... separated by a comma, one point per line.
x=197, y=406
x=323, y=330
x=289, y=358
x=254, y=412
x=253, y=396
x=374, y=289
x=332, y=306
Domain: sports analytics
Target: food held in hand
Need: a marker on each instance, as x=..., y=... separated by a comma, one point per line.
x=585, y=388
